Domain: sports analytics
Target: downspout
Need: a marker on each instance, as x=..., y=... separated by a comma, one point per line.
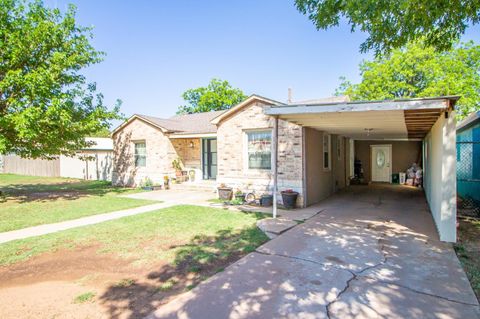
x=274, y=164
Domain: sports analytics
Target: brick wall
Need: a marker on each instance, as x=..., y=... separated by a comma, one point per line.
x=232, y=168
x=160, y=154
x=191, y=156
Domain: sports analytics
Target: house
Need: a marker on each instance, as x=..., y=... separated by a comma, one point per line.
x=468, y=169
x=93, y=163
x=316, y=145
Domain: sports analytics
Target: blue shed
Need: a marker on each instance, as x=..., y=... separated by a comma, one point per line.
x=468, y=159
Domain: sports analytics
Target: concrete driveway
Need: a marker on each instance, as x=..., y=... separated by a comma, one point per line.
x=373, y=252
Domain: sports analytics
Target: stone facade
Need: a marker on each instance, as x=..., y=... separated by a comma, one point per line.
x=232, y=163
x=160, y=154
x=160, y=149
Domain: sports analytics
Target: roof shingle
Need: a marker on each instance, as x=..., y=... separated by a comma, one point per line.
x=197, y=123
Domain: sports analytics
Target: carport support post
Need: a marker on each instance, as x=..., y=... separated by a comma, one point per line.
x=274, y=165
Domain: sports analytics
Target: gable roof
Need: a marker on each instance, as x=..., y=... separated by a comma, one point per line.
x=197, y=123
x=241, y=105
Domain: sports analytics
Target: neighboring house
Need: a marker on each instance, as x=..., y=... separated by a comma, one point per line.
x=468, y=158
x=315, y=143
x=92, y=163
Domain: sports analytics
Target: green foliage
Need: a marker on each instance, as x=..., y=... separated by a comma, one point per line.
x=88, y=296
x=103, y=132
x=218, y=95
x=392, y=24
x=416, y=71
x=46, y=106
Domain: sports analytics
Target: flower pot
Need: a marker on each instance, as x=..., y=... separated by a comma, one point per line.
x=266, y=200
x=289, y=199
x=147, y=188
x=225, y=193
x=240, y=197
x=157, y=187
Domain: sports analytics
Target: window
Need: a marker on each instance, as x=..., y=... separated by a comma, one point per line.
x=259, y=149
x=326, y=152
x=140, y=154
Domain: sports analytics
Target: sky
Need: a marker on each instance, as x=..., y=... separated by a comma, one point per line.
x=155, y=50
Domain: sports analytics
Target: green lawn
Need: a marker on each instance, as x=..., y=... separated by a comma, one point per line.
x=185, y=236
x=29, y=200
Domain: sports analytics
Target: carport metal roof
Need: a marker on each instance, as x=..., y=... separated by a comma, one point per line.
x=389, y=119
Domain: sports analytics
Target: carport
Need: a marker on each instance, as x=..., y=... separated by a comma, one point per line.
x=335, y=135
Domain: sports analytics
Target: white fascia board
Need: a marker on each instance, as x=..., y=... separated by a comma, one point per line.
x=358, y=107
x=199, y=135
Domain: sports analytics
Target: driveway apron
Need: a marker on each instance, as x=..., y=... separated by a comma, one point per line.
x=373, y=252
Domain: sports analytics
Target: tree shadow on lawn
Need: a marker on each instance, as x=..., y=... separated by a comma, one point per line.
x=194, y=262
x=24, y=193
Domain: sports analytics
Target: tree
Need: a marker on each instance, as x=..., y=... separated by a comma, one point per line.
x=46, y=105
x=393, y=24
x=103, y=132
x=416, y=71
x=218, y=95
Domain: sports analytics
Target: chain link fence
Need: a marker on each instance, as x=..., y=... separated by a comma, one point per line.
x=468, y=177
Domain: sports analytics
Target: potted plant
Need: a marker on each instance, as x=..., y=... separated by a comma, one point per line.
x=289, y=198
x=266, y=200
x=157, y=186
x=191, y=175
x=240, y=196
x=146, y=184
x=225, y=192
x=166, y=182
x=177, y=165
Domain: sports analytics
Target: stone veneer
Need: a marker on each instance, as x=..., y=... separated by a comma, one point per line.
x=232, y=169
x=161, y=151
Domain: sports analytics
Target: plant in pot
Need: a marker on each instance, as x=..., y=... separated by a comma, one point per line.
x=191, y=175
x=146, y=184
x=166, y=182
x=225, y=192
x=177, y=165
x=289, y=198
x=240, y=196
x=266, y=200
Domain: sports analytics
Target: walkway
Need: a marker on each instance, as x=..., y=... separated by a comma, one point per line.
x=373, y=252
x=168, y=198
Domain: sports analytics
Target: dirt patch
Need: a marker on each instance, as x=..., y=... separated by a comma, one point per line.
x=468, y=250
x=48, y=285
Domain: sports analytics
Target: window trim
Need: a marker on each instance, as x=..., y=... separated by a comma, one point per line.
x=135, y=153
x=328, y=151
x=245, y=149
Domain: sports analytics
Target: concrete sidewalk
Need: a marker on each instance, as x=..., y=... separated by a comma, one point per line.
x=168, y=198
x=373, y=252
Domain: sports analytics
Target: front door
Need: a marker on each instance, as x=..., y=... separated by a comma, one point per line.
x=209, y=158
x=381, y=163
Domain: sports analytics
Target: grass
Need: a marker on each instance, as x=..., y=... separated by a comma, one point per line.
x=85, y=297
x=185, y=236
x=30, y=200
x=467, y=249
x=127, y=282
x=166, y=286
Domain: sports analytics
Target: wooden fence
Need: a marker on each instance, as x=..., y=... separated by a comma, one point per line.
x=35, y=167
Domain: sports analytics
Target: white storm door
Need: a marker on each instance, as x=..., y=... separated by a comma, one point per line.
x=381, y=163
